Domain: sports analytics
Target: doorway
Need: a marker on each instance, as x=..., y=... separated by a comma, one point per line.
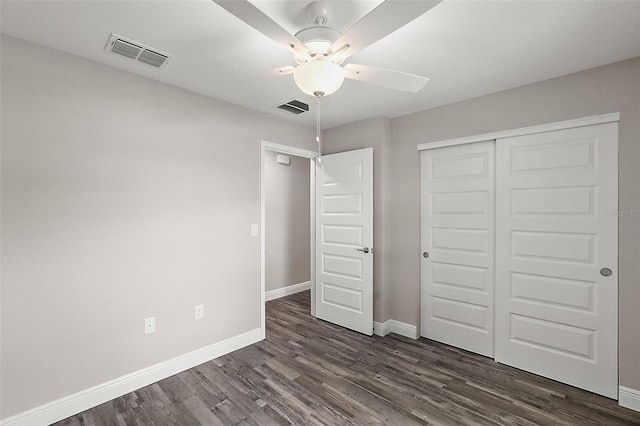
x=340, y=212
x=287, y=242
x=287, y=229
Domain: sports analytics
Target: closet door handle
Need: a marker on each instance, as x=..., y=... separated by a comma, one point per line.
x=425, y=255
x=606, y=272
x=365, y=250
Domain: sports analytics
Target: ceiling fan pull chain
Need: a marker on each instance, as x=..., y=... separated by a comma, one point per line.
x=318, y=136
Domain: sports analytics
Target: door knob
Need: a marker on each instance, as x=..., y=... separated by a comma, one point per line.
x=425, y=255
x=365, y=250
x=606, y=272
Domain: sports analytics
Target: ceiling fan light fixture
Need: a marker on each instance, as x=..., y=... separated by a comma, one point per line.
x=319, y=78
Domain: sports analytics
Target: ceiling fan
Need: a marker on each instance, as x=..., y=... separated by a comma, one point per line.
x=320, y=50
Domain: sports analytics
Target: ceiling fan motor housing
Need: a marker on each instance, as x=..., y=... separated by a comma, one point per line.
x=318, y=40
x=319, y=12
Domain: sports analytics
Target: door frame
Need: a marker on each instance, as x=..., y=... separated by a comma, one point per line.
x=298, y=152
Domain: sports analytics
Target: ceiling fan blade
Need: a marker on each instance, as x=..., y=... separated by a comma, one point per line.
x=288, y=69
x=380, y=22
x=255, y=18
x=382, y=77
x=252, y=75
x=284, y=70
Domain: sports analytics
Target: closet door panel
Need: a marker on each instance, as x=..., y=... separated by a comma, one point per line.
x=457, y=234
x=556, y=314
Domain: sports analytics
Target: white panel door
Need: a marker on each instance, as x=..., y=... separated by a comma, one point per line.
x=556, y=314
x=457, y=195
x=344, y=239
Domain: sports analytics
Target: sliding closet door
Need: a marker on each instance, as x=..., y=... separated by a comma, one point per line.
x=557, y=255
x=457, y=196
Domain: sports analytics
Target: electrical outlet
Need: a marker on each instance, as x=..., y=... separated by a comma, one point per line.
x=199, y=312
x=150, y=325
x=254, y=229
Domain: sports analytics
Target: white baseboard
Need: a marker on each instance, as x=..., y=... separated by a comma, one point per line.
x=88, y=398
x=403, y=329
x=629, y=398
x=393, y=326
x=286, y=291
x=381, y=328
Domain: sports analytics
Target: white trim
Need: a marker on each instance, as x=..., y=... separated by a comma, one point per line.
x=381, y=328
x=287, y=291
x=585, y=121
x=291, y=150
x=629, y=398
x=403, y=329
x=312, y=228
x=88, y=398
x=397, y=327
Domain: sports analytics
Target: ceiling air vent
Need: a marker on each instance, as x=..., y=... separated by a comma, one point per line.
x=138, y=51
x=294, y=107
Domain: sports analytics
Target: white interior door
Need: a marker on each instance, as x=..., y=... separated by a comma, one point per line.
x=457, y=195
x=556, y=313
x=344, y=239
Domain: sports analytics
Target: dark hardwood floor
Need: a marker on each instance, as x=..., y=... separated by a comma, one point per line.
x=309, y=372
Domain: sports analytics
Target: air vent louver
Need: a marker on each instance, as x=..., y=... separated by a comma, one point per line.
x=294, y=107
x=152, y=58
x=125, y=48
x=134, y=50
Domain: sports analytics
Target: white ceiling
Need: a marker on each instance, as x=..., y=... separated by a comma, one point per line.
x=466, y=48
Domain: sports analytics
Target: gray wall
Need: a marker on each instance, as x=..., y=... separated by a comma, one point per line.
x=287, y=222
x=122, y=198
x=375, y=133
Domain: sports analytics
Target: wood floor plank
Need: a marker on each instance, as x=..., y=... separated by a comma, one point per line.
x=310, y=372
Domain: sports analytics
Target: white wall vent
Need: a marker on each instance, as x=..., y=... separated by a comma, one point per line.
x=138, y=51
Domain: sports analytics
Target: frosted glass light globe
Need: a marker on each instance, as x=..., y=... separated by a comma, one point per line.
x=318, y=77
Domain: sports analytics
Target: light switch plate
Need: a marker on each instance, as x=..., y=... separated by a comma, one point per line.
x=199, y=312
x=254, y=229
